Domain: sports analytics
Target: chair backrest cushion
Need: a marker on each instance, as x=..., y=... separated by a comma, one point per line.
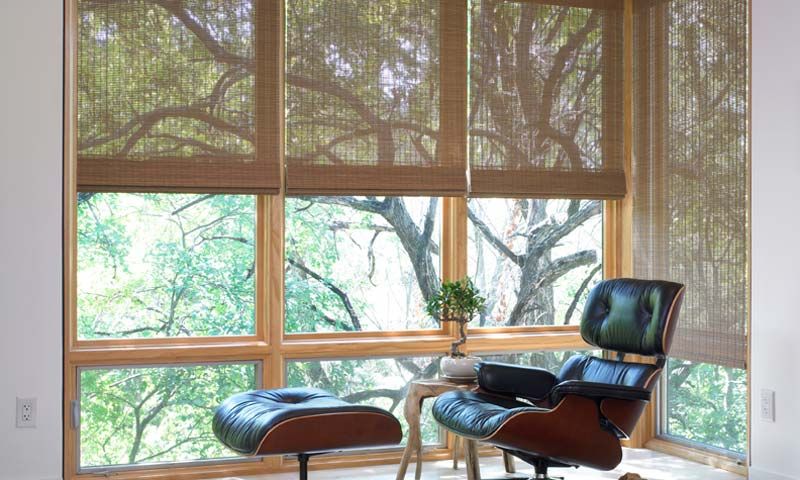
x=586, y=368
x=632, y=316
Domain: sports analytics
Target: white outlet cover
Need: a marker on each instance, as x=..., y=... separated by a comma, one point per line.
x=767, y=405
x=26, y=412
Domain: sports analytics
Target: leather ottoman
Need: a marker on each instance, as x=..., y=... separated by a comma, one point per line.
x=302, y=422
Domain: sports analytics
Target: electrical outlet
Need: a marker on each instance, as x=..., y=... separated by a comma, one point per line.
x=768, y=405
x=26, y=412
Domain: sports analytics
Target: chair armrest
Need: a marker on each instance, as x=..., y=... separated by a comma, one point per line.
x=526, y=382
x=598, y=391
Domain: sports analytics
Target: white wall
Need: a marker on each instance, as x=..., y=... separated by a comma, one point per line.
x=30, y=234
x=776, y=236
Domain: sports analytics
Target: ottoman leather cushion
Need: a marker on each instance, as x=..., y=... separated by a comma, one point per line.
x=300, y=420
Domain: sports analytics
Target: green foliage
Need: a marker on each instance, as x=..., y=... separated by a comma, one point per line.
x=707, y=404
x=457, y=301
x=155, y=265
x=380, y=382
x=310, y=240
x=145, y=415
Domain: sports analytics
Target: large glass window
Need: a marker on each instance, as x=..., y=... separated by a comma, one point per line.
x=165, y=265
x=323, y=271
x=535, y=260
x=382, y=382
x=151, y=415
x=360, y=263
x=706, y=404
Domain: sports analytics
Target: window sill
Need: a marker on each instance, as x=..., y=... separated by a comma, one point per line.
x=717, y=460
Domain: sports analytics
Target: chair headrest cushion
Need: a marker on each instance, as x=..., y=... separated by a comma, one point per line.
x=632, y=316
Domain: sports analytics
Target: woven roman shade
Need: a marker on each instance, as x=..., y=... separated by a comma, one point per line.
x=546, y=107
x=691, y=168
x=178, y=95
x=376, y=97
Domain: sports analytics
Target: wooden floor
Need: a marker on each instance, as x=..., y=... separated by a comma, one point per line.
x=650, y=465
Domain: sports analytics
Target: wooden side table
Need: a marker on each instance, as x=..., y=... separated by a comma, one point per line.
x=418, y=391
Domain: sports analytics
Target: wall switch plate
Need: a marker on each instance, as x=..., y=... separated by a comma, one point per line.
x=767, y=405
x=26, y=412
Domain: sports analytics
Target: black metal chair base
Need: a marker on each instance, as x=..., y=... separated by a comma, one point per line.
x=540, y=466
x=303, y=458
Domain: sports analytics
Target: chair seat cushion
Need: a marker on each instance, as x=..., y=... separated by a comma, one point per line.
x=475, y=414
x=300, y=420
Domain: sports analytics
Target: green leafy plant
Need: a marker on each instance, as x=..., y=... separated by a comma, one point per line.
x=457, y=301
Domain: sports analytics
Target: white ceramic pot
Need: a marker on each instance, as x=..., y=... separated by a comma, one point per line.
x=459, y=367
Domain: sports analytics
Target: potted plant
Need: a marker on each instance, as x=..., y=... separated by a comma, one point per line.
x=457, y=301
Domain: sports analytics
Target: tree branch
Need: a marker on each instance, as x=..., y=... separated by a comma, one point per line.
x=359, y=397
x=343, y=296
x=546, y=237
x=175, y=7
x=197, y=111
x=584, y=285
x=369, y=205
x=193, y=203
x=564, y=265
x=493, y=240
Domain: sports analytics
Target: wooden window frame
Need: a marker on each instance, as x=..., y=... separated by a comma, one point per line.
x=272, y=347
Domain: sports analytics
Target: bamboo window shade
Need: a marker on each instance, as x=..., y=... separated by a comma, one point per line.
x=376, y=97
x=691, y=168
x=178, y=96
x=546, y=109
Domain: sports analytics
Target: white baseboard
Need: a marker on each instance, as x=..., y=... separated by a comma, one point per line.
x=756, y=473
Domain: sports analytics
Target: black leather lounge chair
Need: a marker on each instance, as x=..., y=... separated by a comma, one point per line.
x=578, y=417
x=302, y=422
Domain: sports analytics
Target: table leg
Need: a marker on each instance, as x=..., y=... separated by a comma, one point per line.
x=418, y=471
x=411, y=411
x=472, y=460
x=401, y=471
x=456, y=443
